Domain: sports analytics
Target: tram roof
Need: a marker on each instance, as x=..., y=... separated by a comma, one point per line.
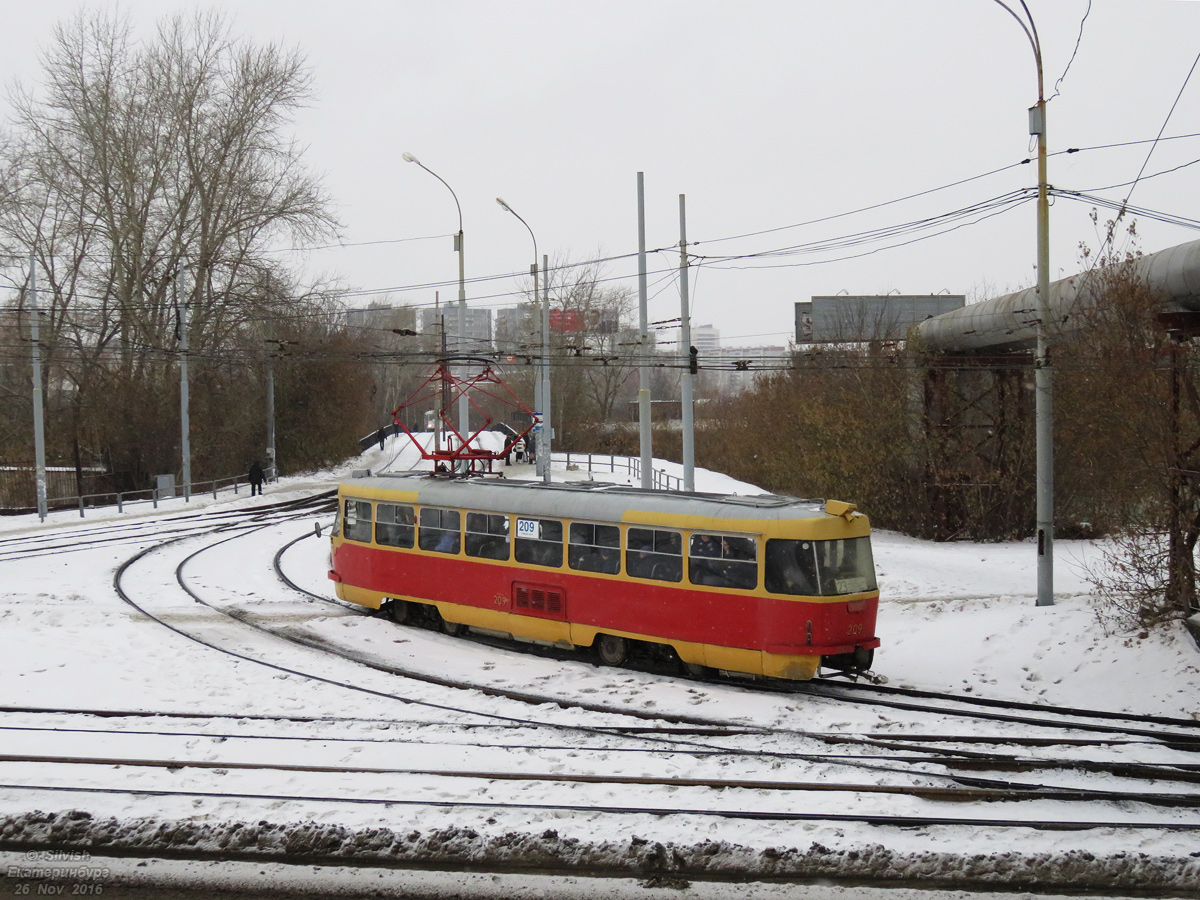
x=581, y=499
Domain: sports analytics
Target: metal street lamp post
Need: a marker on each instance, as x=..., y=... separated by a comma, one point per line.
x=1043, y=383
x=464, y=420
x=543, y=440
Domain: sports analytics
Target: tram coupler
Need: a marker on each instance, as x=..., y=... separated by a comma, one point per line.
x=853, y=675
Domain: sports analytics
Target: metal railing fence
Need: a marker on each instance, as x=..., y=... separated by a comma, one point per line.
x=590, y=462
x=121, y=499
x=605, y=462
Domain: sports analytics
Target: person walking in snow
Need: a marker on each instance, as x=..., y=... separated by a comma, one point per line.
x=256, y=478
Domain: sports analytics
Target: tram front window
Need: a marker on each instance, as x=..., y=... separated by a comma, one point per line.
x=820, y=568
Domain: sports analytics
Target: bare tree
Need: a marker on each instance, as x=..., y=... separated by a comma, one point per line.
x=1131, y=436
x=146, y=177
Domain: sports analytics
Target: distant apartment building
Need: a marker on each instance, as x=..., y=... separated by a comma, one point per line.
x=476, y=337
x=382, y=318
x=517, y=328
x=705, y=338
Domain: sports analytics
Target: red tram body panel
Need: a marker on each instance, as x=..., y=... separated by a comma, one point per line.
x=761, y=585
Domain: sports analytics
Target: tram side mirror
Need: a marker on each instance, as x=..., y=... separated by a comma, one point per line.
x=317, y=528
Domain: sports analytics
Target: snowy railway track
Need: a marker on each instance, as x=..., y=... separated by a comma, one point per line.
x=949, y=755
x=886, y=768
x=598, y=765
x=209, y=633
x=1177, y=732
x=768, y=800
x=84, y=537
x=516, y=759
x=946, y=764
x=1167, y=729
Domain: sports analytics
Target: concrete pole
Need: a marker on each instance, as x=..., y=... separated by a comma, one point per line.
x=440, y=324
x=1043, y=383
x=464, y=407
x=460, y=341
x=541, y=379
x=685, y=344
x=272, y=468
x=39, y=427
x=538, y=406
x=645, y=434
x=1043, y=376
x=185, y=441
x=548, y=436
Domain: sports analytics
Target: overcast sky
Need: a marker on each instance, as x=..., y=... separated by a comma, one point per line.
x=767, y=114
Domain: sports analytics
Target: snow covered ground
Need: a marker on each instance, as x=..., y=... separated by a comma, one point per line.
x=953, y=617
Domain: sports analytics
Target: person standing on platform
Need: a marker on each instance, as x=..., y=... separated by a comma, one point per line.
x=256, y=478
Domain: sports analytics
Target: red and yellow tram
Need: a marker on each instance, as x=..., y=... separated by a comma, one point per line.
x=761, y=585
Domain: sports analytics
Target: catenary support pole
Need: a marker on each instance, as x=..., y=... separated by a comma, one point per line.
x=272, y=470
x=39, y=427
x=185, y=441
x=644, y=433
x=1044, y=377
x=685, y=355
x=464, y=406
x=547, y=421
x=1043, y=374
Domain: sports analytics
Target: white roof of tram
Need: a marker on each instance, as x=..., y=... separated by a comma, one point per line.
x=579, y=499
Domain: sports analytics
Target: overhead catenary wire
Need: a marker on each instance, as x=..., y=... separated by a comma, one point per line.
x=484, y=279
x=919, y=229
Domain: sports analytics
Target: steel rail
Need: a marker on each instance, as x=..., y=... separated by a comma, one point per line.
x=753, y=815
x=1177, y=722
x=115, y=534
x=1163, y=772
x=980, y=791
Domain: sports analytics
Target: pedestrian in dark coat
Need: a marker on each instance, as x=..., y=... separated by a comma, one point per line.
x=256, y=478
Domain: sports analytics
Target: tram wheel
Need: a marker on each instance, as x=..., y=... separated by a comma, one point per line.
x=697, y=671
x=452, y=628
x=612, y=650
x=397, y=611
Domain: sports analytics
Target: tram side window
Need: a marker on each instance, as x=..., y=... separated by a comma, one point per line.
x=539, y=542
x=393, y=525
x=654, y=553
x=356, y=523
x=722, y=560
x=439, y=530
x=487, y=536
x=595, y=548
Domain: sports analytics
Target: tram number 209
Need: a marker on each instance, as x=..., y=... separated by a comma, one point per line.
x=854, y=629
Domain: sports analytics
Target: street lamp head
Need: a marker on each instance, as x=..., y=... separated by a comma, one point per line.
x=408, y=157
x=504, y=205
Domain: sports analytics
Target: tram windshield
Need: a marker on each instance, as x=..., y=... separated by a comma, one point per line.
x=820, y=568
